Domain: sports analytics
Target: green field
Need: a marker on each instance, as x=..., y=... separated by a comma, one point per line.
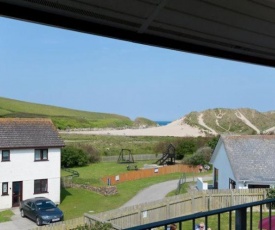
x=112, y=145
x=75, y=202
x=64, y=118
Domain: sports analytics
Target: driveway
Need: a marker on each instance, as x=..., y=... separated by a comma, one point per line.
x=18, y=223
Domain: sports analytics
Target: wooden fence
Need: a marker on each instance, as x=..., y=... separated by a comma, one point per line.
x=179, y=205
x=148, y=172
x=64, y=225
x=167, y=208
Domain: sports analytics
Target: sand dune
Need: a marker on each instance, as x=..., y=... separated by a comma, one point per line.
x=177, y=129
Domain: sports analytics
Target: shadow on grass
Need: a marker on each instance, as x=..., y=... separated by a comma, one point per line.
x=64, y=194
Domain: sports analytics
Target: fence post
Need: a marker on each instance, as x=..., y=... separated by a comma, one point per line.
x=168, y=210
x=232, y=197
x=204, y=201
x=193, y=202
x=264, y=197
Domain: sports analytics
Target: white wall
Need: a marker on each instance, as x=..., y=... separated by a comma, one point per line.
x=22, y=167
x=222, y=163
x=201, y=185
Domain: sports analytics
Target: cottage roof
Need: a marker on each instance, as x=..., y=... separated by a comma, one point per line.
x=252, y=157
x=28, y=133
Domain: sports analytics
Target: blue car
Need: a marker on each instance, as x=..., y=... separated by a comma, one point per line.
x=41, y=210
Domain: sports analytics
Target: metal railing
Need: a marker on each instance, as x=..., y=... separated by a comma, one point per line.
x=239, y=217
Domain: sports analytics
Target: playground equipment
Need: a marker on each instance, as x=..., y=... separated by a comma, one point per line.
x=168, y=157
x=125, y=156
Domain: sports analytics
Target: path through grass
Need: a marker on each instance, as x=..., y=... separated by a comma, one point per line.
x=75, y=202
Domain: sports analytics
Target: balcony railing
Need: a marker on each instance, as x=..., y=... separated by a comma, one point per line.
x=239, y=217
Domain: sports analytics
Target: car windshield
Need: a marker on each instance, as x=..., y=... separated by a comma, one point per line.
x=45, y=204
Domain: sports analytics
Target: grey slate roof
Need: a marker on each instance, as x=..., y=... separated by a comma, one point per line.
x=252, y=157
x=28, y=133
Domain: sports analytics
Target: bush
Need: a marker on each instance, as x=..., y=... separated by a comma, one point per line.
x=91, y=152
x=270, y=194
x=202, y=156
x=73, y=157
x=184, y=148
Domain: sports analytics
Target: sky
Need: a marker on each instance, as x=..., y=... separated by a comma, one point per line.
x=52, y=66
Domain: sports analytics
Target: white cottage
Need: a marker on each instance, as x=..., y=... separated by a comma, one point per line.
x=245, y=161
x=30, y=160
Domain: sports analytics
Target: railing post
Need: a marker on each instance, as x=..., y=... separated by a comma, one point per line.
x=240, y=220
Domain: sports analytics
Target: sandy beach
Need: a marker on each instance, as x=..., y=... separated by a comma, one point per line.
x=176, y=128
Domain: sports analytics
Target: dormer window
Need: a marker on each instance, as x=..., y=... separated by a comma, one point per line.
x=5, y=155
x=41, y=155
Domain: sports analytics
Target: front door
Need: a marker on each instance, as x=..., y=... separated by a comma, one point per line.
x=16, y=193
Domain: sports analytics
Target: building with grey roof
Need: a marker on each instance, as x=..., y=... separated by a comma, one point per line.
x=30, y=160
x=244, y=161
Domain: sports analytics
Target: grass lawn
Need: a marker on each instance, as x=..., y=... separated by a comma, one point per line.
x=6, y=215
x=93, y=173
x=75, y=202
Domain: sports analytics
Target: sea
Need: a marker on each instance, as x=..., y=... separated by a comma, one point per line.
x=162, y=123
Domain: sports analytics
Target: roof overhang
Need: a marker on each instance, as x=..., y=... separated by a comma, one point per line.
x=241, y=30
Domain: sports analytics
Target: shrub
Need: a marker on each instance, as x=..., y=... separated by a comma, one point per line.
x=183, y=148
x=91, y=152
x=202, y=156
x=72, y=157
x=212, y=143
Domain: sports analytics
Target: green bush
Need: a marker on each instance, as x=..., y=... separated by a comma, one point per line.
x=72, y=157
x=91, y=152
x=270, y=194
x=212, y=143
x=184, y=148
x=202, y=156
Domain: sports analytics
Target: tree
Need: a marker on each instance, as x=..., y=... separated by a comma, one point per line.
x=186, y=147
x=72, y=157
x=212, y=143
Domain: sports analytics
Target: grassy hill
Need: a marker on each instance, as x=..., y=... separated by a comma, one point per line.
x=237, y=121
x=64, y=118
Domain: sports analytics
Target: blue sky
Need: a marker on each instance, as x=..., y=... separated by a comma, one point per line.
x=52, y=66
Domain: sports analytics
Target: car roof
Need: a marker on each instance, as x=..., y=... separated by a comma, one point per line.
x=37, y=199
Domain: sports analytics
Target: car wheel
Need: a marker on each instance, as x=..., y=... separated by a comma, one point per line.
x=38, y=221
x=22, y=213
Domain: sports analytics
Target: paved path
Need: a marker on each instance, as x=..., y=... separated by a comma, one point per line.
x=159, y=191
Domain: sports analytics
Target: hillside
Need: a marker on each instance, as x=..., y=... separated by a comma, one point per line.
x=232, y=121
x=64, y=118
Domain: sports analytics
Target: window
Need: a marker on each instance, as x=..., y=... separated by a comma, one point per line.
x=5, y=190
x=41, y=155
x=40, y=186
x=5, y=155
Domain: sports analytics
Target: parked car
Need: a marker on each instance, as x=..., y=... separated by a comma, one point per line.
x=41, y=210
